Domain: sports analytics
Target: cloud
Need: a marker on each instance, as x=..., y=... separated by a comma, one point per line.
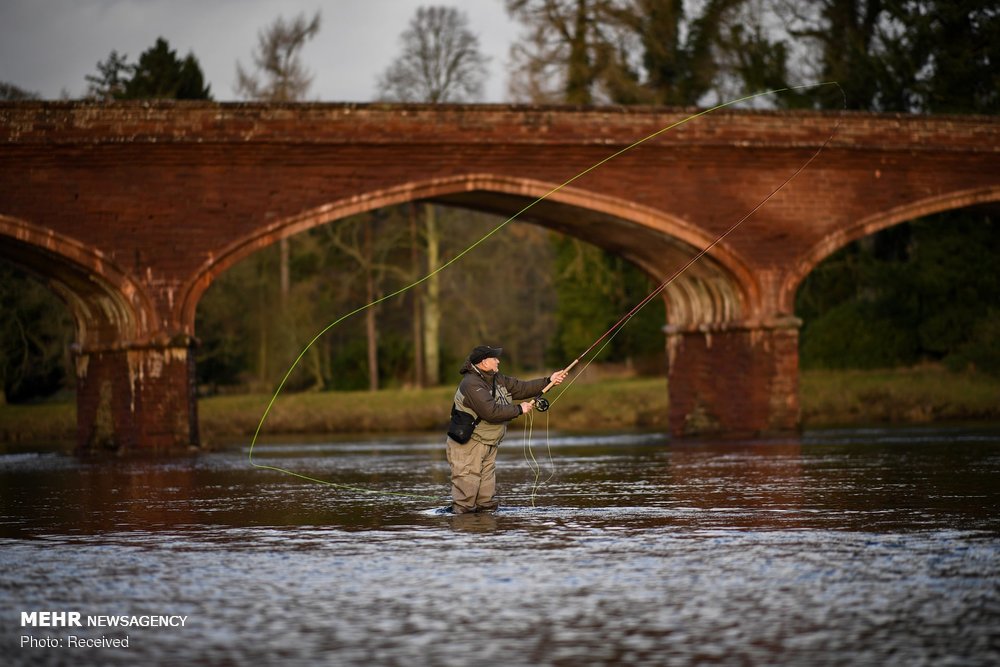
x=49, y=46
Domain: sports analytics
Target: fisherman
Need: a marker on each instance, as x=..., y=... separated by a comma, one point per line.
x=483, y=406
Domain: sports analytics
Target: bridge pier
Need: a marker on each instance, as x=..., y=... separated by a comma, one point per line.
x=130, y=211
x=137, y=397
x=736, y=379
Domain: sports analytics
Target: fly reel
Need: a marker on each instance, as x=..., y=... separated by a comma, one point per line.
x=542, y=404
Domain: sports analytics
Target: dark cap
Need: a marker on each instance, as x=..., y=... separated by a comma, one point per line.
x=481, y=352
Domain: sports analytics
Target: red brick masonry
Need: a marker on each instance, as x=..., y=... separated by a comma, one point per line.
x=130, y=210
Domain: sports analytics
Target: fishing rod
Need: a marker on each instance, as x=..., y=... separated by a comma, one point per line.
x=542, y=404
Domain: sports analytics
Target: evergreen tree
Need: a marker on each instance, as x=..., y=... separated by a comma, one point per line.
x=161, y=74
x=924, y=290
x=12, y=93
x=35, y=333
x=955, y=50
x=928, y=290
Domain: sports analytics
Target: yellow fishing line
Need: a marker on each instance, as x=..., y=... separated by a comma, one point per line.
x=529, y=424
x=538, y=469
x=617, y=328
x=454, y=259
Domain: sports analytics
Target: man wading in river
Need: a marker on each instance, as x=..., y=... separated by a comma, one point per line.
x=483, y=406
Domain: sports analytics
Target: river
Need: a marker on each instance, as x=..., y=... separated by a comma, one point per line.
x=851, y=547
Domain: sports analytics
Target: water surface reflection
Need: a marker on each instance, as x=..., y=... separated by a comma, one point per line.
x=870, y=547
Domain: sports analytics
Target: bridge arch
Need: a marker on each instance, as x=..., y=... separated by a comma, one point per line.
x=876, y=222
x=107, y=305
x=176, y=194
x=717, y=289
x=124, y=362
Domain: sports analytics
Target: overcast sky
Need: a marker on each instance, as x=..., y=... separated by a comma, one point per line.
x=49, y=46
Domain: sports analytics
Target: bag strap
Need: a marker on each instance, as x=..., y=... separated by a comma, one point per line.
x=454, y=409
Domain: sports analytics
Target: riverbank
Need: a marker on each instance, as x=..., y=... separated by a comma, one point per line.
x=921, y=395
x=829, y=398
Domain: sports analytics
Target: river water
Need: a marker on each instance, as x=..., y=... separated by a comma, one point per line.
x=855, y=547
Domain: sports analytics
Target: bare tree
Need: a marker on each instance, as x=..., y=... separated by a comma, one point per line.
x=113, y=74
x=356, y=240
x=431, y=310
x=417, y=315
x=280, y=75
x=440, y=62
x=557, y=60
x=619, y=51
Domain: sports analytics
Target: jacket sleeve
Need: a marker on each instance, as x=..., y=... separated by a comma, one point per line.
x=523, y=389
x=481, y=401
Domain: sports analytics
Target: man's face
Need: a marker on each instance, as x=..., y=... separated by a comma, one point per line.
x=490, y=364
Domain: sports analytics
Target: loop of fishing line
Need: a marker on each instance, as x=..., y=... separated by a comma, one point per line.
x=608, y=335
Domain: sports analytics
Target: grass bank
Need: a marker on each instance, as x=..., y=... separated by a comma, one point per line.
x=608, y=405
x=920, y=395
x=45, y=424
x=829, y=398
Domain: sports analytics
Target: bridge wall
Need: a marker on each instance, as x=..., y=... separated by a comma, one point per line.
x=162, y=197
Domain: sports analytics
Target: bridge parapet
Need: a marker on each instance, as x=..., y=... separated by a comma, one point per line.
x=130, y=210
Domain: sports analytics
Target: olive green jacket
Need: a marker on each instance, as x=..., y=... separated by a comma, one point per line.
x=490, y=397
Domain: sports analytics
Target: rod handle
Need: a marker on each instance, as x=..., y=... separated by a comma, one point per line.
x=567, y=370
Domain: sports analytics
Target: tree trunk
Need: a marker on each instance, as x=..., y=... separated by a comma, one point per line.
x=263, y=321
x=432, y=301
x=316, y=368
x=286, y=282
x=371, y=329
x=579, y=74
x=417, y=323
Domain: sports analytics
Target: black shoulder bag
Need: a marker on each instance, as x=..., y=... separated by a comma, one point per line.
x=462, y=425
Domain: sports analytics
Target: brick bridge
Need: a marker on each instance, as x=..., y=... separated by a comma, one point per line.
x=129, y=211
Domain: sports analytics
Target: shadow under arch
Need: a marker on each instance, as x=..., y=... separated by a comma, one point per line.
x=718, y=288
x=874, y=223
x=109, y=308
